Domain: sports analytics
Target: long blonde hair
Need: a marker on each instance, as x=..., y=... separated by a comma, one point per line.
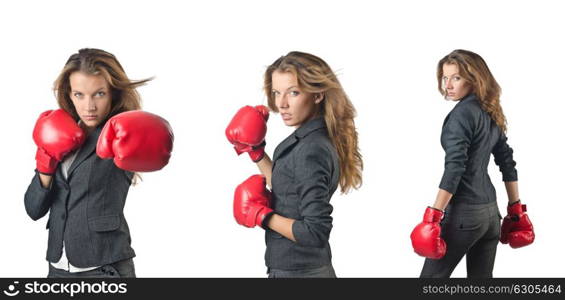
x=474, y=69
x=315, y=76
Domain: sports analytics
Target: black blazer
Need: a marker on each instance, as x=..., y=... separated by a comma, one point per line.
x=305, y=176
x=469, y=136
x=86, y=210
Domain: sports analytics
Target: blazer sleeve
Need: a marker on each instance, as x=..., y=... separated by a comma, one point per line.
x=37, y=199
x=313, y=178
x=503, y=157
x=456, y=137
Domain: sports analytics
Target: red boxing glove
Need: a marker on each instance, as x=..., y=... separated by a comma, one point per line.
x=247, y=130
x=426, y=237
x=517, y=229
x=138, y=141
x=252, y=201
x=56, y=134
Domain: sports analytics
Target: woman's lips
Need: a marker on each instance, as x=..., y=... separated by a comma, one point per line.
x=90, y=118
x=286, y=117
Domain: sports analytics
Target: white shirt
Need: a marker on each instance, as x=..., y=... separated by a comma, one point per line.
x=64, y=263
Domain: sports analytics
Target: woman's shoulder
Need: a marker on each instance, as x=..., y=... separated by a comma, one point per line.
x=468, y=109
x=315, y=144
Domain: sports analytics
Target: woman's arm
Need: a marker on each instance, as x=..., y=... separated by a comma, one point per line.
x=282, y=225
x=276, y=222
x=512, y=191
x=37, y=199
x=504, y=158
x=45, y=180
x=442, y=199
x=265, y=165
x=456, y=136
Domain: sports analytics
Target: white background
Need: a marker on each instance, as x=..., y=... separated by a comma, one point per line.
x=208, y=60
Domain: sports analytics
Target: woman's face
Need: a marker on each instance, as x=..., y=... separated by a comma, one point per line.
x=295, y=106
x=91, y=97
x=455, y=86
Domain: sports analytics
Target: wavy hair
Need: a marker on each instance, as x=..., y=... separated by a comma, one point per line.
x=315, y=76
x=99, y=62
x=474, y=69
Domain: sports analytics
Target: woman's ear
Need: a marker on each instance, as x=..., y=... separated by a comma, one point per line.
x=318, y=97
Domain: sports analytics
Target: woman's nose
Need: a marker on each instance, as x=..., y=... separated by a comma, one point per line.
x=91, y=105
x=282, y=101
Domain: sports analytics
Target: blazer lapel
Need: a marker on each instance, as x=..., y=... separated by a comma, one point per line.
x=287, y=143
x=310, y=127
x=299, y=133
x=86, y=150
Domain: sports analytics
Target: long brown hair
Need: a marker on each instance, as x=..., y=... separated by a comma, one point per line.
x=474, y=69
x=315, y=76
x=99, y=62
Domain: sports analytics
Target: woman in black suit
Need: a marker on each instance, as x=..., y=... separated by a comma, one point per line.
x=307, y=166
x=84, y=194
x=472, y=131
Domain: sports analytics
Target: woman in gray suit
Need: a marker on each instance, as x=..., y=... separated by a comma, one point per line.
x=464, y=220
x=84, y=194
x=306, y=169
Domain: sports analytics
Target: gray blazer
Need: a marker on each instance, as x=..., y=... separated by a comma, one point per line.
x=305, y=176
x=469, y=136
x=86, y=210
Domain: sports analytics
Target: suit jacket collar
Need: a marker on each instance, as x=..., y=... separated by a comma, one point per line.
x=86, y=149
x=310, y=126
x=470, y=96
x=301, y=132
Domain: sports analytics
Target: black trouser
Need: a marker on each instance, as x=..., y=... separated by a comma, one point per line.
x=123, y=268
x=321, y=272
x=467, y=229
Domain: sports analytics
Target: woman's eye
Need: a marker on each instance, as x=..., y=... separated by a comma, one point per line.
x=294, y=93
x=77, y=95
x=100, y=94
x=457, y=78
